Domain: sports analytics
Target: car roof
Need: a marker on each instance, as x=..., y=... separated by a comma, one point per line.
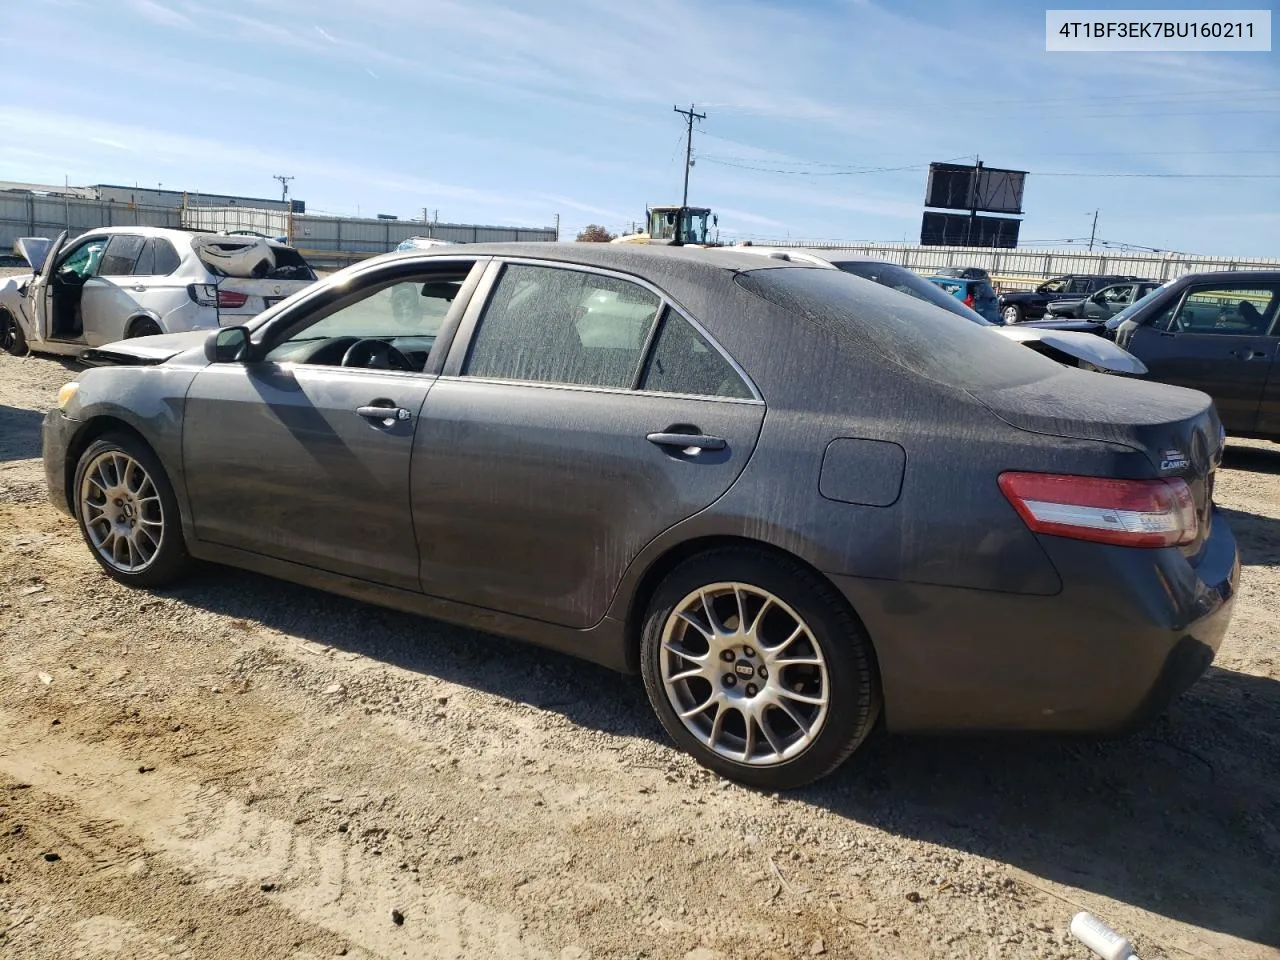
x=636, y=258
x=1230, y=276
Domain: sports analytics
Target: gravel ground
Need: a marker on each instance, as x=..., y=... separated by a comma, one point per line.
x=241, y=768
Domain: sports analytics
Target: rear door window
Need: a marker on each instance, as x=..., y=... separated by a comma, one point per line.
x=557, y=325
x=158, y=259
x=122, y=253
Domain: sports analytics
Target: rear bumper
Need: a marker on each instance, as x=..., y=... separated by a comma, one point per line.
x=1130, y=631
x=56, y=437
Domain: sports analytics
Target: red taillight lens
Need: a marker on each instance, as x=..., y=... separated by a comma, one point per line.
x=1128, y=513
x=968, y=301
x=229, y=298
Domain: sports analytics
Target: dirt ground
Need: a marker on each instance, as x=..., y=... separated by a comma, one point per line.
x=241, y=768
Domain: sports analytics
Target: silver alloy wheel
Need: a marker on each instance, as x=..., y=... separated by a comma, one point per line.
x=744, y=673
x=1011, y=314
x=121, y=511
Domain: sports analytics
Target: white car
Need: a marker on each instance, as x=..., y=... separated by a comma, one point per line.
x=119, y=282
x=1071, y=347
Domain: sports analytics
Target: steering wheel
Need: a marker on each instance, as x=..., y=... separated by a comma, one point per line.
x=377, y=354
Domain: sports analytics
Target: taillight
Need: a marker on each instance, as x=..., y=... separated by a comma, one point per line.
x=1127, y=513
x=968, y=301
x=229, y=298
x=204, y=294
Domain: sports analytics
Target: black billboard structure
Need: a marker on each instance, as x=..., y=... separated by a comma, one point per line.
x=974, y=188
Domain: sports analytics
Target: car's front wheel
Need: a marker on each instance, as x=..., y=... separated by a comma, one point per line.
x=1012, y=313
x=12, y=339
x=128, y=513
x=757, y=667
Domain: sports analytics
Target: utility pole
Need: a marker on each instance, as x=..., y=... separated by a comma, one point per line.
x=284, y=199
x=689, y=116
x=284, y=186
x=1094, y=232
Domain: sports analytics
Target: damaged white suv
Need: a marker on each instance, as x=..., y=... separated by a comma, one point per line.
x=119, y=282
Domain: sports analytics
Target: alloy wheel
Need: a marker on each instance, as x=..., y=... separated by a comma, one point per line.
x=744, y=673
x=121, y=511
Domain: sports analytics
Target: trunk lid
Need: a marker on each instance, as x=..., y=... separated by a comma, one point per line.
x=1177, y=429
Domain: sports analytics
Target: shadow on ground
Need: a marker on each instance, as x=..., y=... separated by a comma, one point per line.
x=1255, y=459
x=1182, y=820
x=19, y=433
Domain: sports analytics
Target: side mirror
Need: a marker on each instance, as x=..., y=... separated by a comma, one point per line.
x=226, y=345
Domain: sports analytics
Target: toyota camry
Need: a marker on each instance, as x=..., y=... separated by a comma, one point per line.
x=797, y=503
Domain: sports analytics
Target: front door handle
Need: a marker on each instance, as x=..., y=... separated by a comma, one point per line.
x=382, y=413
x=699, y=441
x=139, y=288
x=1251, y=354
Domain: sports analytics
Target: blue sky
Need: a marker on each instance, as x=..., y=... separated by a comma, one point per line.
x=511, y=112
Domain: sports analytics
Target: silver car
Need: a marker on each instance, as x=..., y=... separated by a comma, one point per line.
x=119, y=282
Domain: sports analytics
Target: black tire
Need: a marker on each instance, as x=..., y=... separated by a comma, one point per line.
x=12, y=340
x=1012, y=313
x=142, y=327
x=853, y=687
x=170, y=560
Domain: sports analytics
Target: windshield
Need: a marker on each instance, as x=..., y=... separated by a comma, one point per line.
x=906, y=281
x=1134, y=307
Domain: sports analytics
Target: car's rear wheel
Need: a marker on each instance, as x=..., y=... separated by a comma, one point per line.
x=143, y=327
x=12, y=339
x=758, y=668
x=1012, y=313
x=128, y=513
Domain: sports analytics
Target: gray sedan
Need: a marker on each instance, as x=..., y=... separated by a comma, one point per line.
x=795, y=501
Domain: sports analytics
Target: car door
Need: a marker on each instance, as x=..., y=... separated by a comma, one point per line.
x=109, y=298
x=579, y=417
x=55, y=295
x=302, y=452
x=1217, y=338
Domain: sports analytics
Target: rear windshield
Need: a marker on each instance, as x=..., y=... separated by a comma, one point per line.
x=288, y=257
x=915, y=335
x=909, y=282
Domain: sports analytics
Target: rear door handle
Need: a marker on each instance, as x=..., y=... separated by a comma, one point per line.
x=383, y=413
x=1251, y=355
x=684, y=440
x=139, y=288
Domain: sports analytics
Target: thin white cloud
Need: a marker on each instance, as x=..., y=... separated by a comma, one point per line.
x=160, y=14
x=113, y=144
x=324, y=33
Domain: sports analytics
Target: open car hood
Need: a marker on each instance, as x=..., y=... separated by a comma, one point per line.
x=1092, y=349
x=144, y=351
x=33, y=250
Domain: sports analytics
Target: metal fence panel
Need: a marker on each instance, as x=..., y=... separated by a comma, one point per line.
x=329, y=239
x=1023, y=269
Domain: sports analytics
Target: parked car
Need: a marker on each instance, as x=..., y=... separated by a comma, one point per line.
x=1216, y=332
x=978, y=295
x=964, y=273
x=1104, y=304
x=119, y=282
x=920, y=499
x=1071, y=349
x=1018, y=306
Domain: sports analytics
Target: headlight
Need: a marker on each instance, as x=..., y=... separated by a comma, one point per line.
x=66, y=393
